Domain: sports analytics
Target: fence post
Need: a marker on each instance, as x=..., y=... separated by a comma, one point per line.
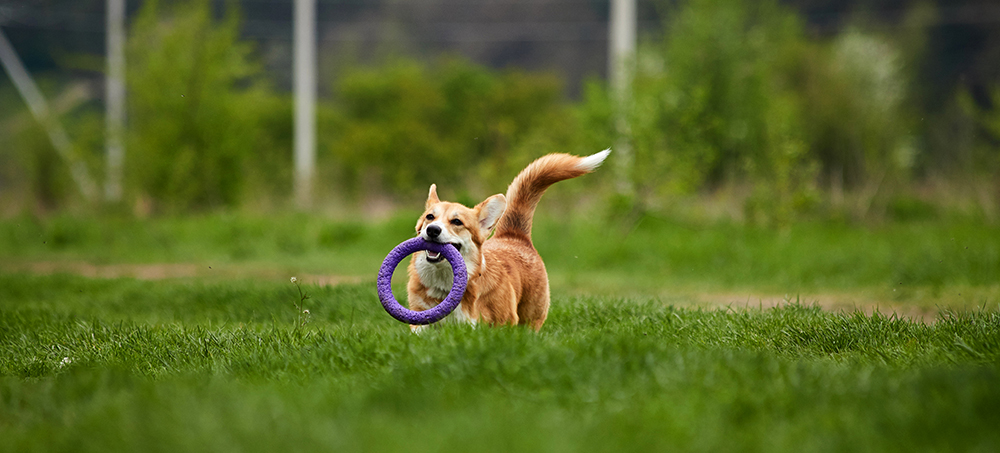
x=621, y=58
x=114, y=95
x=305, y=100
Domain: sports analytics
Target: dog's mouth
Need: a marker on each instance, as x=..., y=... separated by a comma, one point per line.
x=436, y=257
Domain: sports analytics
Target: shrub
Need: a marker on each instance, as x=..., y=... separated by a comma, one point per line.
x=202, y=120
x=714, y=103
x=404, y=124
x=32, y=174
x=736, y=95
x=982, y=162
x=857, y=119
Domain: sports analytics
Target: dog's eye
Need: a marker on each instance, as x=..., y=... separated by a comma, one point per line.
x=429, y=217
x=456, y=222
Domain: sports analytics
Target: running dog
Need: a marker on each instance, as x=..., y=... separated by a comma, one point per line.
x=507, y=279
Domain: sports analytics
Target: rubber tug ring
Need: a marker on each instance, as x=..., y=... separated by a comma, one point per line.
x=384, y=282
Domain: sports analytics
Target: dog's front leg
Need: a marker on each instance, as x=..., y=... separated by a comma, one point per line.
x=417, y=300
x=468, y=310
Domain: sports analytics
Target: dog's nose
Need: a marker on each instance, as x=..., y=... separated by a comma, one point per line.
x=433, y=231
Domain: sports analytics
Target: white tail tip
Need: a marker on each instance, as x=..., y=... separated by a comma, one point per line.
x=591, y=162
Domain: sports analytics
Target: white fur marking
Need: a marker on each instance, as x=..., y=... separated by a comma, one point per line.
x=459, y=316
x=591, y=162
x=437, y=277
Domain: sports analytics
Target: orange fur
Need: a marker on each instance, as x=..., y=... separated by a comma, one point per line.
x=507, y=279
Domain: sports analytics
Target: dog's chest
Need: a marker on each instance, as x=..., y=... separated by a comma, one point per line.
x=438, y=277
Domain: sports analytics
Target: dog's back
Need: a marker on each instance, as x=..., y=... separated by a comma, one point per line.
x=514, y=272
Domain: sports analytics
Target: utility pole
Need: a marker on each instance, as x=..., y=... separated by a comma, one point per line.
x=621, y=59
x=114, y=95
x=40, y=109
x=305, y=100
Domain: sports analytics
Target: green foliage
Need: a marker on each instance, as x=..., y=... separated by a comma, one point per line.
x=203, y=123
x=36, y=172
x=405, y=124
x=860, y=121
x=735, y=99
x=986, y=159
x=982, y=162
x=736, y=94
x=31, y=171
x=715, y=102
x=859, y=125
x=727, y=68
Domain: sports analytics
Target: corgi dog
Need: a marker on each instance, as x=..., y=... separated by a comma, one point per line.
x=507, y=281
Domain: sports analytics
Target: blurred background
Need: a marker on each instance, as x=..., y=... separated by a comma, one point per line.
x=765, y=152
x=764, y=112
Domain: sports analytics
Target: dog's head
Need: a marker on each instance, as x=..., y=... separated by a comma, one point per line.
x=452, y=223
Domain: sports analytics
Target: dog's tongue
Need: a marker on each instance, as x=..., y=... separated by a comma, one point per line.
x=433, y=255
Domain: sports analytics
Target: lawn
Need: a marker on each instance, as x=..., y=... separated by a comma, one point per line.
x=923, y=260
x=220, y=361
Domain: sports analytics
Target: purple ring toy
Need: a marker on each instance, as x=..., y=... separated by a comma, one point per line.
x=384, y=282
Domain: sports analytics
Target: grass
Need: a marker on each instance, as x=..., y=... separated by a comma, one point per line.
x=584, y=256
x=302, y=243
x=97, y=365
x=221, y=362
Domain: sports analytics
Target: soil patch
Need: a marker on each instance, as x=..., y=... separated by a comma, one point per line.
x=833, y=302
x=162, y=271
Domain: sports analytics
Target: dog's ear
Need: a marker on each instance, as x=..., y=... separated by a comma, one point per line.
x=432, y=196
x=490, y=210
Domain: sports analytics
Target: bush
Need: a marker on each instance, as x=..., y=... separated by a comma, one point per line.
x=715, y=103
x=33, y=176
x=857, y=118
x=981, y=164
x=404, y=124
x=733, y=96
x=203, y=122
x=736, y=95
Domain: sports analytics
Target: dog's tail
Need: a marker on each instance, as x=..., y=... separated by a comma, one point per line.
x=527, y=188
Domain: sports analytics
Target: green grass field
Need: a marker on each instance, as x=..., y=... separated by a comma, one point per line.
x=628, y=361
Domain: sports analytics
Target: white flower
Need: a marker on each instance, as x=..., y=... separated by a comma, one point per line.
x=65, y=361
x=294, y=279
x=305, y=311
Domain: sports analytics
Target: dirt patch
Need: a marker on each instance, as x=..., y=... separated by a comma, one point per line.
x=330, y=280
x=140, y=271
x=163, y=271
x=925, y=311
x=836, y=302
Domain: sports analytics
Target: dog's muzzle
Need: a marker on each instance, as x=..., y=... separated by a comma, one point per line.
x=435, y=257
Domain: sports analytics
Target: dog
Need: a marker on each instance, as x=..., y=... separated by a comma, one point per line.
x=507, y=281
